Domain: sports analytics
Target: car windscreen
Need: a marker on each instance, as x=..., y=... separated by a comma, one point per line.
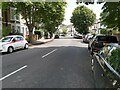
x=109, y=39
x=6, y=39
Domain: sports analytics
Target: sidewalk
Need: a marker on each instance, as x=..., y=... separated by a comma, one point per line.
x=42, y=41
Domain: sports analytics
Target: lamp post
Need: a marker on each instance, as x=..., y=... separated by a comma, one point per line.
x=15, y=22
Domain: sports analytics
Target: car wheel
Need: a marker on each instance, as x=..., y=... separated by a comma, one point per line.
x=10, y=49
x=26, y=46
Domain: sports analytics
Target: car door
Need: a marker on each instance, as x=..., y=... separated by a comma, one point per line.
x=22, y=42
x=17, y=42
x=100, y=80
x=113, y=64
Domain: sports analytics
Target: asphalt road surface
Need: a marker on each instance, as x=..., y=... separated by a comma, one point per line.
x=62, y=63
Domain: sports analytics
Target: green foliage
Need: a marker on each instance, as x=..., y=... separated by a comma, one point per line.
x=37, y=32
x=6, y=31
x=51, y=14
x=45, y=34
x=0, y=5
x=82, y=18
x=64, y=31
x=104, y=31
x=114, y=59
x=111, y=15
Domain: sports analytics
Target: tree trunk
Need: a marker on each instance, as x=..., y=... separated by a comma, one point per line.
x=30, y=37
x=30, y=27
x=51, y=34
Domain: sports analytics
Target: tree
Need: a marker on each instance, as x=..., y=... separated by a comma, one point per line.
x=111, y=15
x=82, y=18
x=30, y=11
x=64, y=31
x=49, y=13
x=53, y=15
x=87, y=2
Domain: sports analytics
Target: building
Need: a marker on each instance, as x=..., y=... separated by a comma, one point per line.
x=96, y=27
x=71, y=29
x=14, y=22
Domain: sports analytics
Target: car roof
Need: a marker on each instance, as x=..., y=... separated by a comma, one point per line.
x=14, y=36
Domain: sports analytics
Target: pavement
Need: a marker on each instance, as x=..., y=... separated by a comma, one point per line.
x=41, y=41
x=62, y=63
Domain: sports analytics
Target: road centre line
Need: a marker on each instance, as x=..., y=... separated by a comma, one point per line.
x=49, y=53
x=13, y=73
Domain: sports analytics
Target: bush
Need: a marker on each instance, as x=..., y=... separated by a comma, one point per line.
x=37, y=32
x=104, y=31
x=46, y=35
x=6, y=31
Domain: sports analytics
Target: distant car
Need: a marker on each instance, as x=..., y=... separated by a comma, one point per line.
x=87, y=38
x=78, y=36
x=99, y=41
x=62, y=34
x=56, y=36
x=106, y=67
x=13, y=42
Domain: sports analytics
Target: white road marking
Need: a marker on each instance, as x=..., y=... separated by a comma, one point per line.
x=13, y=73
x=49, y=53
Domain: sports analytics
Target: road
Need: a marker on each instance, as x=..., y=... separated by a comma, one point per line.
x=62, y=63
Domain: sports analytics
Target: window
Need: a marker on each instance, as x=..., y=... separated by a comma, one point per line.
x=18, y=29
x=12, y=12
x=13, y=28
x=23, y=30
x=109, y=39
x=14, y=16
x=17, y=17
x=18, y=38
x=6, y=39
x=21, y=38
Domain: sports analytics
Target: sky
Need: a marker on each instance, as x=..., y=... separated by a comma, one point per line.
x=72, y=5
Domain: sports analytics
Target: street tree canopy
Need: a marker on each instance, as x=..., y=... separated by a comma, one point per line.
x=30, y=11
x=49, y=13
x=111, y=15
x=87, y=2
x=53, y=15
x=82, y=18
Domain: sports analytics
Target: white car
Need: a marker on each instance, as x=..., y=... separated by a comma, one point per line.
x=13, y=42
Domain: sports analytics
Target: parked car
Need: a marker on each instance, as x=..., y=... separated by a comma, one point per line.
x=12, y=42
x=99, y=41
x=56, y=36
x=78, y=36
x=62, y=34
x=106, y=67
x=87, y=38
